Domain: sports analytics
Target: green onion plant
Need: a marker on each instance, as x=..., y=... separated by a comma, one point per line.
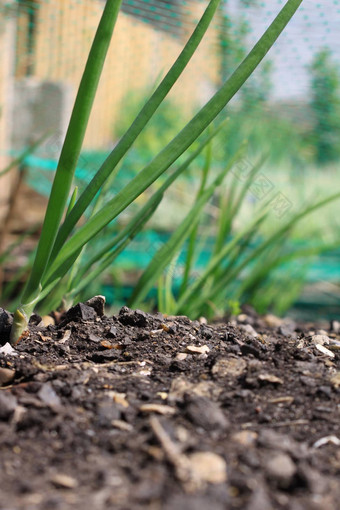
x=241, y=265
x=62, y=240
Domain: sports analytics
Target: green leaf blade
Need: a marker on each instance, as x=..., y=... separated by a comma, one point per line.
x=72, y=146
x=137, y=126
x=181, y=142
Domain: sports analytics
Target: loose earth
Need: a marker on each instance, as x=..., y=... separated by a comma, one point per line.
x=141, y=411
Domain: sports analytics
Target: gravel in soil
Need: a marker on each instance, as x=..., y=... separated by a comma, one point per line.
x=146, y=411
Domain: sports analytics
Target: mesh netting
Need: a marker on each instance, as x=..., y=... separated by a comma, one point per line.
x=51, y=39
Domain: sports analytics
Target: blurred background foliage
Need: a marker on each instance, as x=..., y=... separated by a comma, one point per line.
x=298, y=139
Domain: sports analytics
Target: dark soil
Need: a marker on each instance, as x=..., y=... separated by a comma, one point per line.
x=144, y=411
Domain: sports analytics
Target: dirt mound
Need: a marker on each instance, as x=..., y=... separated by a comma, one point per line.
x=146, y=411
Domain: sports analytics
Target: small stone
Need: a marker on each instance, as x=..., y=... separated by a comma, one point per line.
x=6, y=321
x=272, y=321
x=320, y=339
x=132, y=317
x=157, y=408
x=104, y=356
x=92, y=337
x=335, y=380
x=229, y=367
x=112, y=331
x=310, y=382
x=181, y=356
x=249, y=330
x=206, y=414
x=334, y=345
x=66, y=337
x=62, y=481
x=276, y=441
x=165, y=327
x=194, y=349
x=162, y=394
x=168, y=328
x=270, y=378
x=49, y=396
x=335, y=327
x=6, y=376
x=245, y=437
x=106, y=345
x=242, y=317
x=98, y=304
x=143, y=372
x=250, y=349
x=119, y=398
x=208, y=467
x=8, y=350
x=325, y=351
x=181, y=386
x=281, y=469
x=107, y=412
x=8, y=404
x=202, y=320
x=287, y=329
x=19, y=413
x=47, y=320
x=81, y=311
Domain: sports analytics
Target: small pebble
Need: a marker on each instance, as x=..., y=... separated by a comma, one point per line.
x=272, y=321
x=245, y=437
x=6, y=321
x=194, y=349
x=202, y=320
x=249, y=330
x=335, y=327
x=335, y=380
x=49, y=396
x=320, y=339
x=98, y=304
x=206, y=414
x=334, y=345
x=181, y=356
x=233, y=367
x=208, y=467
x=8, y=350
x=6, y=376
x=8, y=404
x=62, y=481
x=287, y=329
x=47, y=320
x=281, y=469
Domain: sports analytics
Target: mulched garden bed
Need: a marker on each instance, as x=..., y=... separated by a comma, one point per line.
x=145, y=411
